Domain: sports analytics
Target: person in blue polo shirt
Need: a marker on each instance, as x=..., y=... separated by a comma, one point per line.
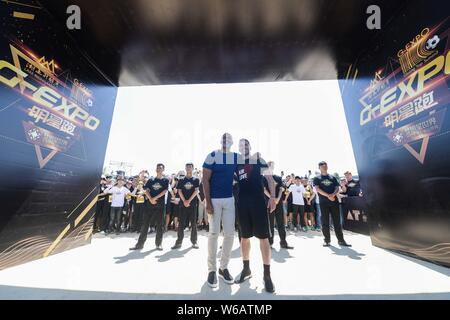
x=218, y=175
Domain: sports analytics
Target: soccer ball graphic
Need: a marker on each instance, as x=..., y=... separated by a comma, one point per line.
x=34, y=134
x=398, y=138
x=433, y=42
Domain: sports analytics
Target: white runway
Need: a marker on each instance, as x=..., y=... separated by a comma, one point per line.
x=106, y=269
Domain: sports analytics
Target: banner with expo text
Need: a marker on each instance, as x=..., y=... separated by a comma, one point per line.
x=55, y=116
x=396, y=98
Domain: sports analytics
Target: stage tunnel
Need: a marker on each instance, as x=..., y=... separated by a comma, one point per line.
x=58, y=88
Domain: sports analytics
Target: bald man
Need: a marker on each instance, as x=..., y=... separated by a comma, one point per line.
x=218, y=174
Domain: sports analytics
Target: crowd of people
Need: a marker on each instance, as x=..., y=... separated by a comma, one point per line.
x=231, y=193
x=133, y=208
x=299, y=214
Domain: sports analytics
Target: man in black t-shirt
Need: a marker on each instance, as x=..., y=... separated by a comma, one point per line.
x=155, y=191
x=278, y=214
x=104, y=221
x=327, y=188
x=98, y=218
x=187, y=189
x=252, y=211
x=351, y=187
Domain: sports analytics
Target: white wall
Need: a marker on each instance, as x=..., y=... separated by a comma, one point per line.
x=296, y=124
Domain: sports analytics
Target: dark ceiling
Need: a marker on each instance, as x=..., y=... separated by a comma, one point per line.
x=144, y=42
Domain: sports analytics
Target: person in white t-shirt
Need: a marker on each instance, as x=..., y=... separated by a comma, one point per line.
x=118, y=192
x=298, y=204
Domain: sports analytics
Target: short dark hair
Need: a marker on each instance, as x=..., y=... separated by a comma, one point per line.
x=225, y=136
x=190, y=164
x=321, y=163
x=245, y=141
x=297, y=177
x=161, y=165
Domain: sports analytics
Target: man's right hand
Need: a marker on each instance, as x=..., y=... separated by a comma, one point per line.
x=209, y=208
x=332, y=197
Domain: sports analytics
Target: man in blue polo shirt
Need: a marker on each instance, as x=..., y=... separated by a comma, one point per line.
x=218, y=174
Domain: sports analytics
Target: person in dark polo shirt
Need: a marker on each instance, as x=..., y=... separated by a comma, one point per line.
x=155, y=191
x=277, y=215
x=327, y=188
x=187, y=189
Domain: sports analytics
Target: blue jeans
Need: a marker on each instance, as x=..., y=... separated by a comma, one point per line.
x=285, y=208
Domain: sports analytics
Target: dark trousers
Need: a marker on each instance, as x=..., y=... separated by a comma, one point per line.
x=138, y=214
x=115, y=218
x=153, y=215
x=104, y=217
x=186, y=215
x=278, y=216
x=326, y=209
x=98, y=214
x=298, y=210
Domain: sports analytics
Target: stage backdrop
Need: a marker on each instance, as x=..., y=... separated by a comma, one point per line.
x=396, y=96
x=55, y=115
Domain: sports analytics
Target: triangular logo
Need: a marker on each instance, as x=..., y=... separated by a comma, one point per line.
x=423, y=150
x=349, y=215
x=43, y=161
